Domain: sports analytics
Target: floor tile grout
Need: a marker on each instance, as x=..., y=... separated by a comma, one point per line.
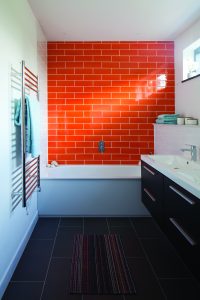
x=70, y=227
x=148, y=238
x=83, y=230
x=147, y=259
x=41, y=239
x=26, y=281
x=108, y=227
x=102, y=228
x=107, y=221
x=51, y=255
x=176, y=278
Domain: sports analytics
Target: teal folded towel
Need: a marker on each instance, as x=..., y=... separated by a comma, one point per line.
x=161, y=121
x=17, y=115
x=168, y=116
x=35, y=125
x=18, y=119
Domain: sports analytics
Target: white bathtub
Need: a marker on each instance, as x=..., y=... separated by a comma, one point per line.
x=91, y=172
x=91, y=190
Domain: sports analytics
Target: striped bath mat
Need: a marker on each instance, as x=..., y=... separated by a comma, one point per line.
x=99, y=266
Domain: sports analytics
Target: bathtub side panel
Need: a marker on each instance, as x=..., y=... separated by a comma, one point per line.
x=91, y=197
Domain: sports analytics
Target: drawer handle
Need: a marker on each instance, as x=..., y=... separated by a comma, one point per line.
x=150, y=196
x=188, y=200
x=151, y=172
x=182, y=231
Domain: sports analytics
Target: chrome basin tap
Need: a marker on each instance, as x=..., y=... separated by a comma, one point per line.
x=192, y=150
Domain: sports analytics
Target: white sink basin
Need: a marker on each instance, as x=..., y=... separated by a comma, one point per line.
x=175, y=161
x=185, y=168
x=192, y=175
x=182, y=171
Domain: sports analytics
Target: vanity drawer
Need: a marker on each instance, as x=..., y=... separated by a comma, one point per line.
x=152, y=203
x=152, y=179
x=182, y=206
x=186, y=244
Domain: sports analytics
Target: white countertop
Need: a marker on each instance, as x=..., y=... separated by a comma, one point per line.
x=188, y=185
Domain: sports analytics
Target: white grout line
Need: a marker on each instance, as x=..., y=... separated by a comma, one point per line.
x=50, y=258
x=146, y=256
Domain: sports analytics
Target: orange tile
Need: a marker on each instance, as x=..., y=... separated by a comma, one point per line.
x=75, y=150
x=84, y=144
x=55, y=52
x=83, y=45
x=103, y=71
x=65, y=46
x=101, y=46
x=75, y=138
x=73, y=52
x=120, y=46
x=66, y=156
x=74, y=126
x=106, y=90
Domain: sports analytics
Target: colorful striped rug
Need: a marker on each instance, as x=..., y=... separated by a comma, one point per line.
x=99, y=266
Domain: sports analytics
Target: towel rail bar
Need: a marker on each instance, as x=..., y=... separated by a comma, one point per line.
x=30, y=87
x=31, y=78
x=30, y=168
x=29, y=193
x=31, y=83
x=27, y=69
x=29, y=183
x=30, y=187
x=16, y=177
x=33, y=175
x=31, y=161
x=26, y=177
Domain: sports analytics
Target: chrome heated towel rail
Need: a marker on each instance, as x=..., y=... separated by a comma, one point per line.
x=26, y=178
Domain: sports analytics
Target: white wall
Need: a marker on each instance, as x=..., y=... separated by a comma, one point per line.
x=187, y=94
x=170, y=139
x=19, y=40
x=42, y=73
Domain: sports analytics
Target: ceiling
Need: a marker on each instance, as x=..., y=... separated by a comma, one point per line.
x=110, y=20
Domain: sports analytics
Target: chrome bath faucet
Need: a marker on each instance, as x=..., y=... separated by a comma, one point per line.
x=192, y=150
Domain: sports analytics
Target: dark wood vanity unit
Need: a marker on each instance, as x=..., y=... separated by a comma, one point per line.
x=177, y=212
x=152, y=191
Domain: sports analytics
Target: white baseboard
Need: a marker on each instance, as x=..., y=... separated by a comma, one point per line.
x=16, y=257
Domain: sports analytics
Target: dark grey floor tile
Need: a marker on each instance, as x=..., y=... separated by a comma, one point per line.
x=102, y=297
x=181, y=289
x=95, y=226
x=146, y=228
x=165, y=260
x=34, y=261
x=71, y=222
x=23, y=291
x=119, y=222
x=64, y=241
x=45, y=228
x=146, y=284
x=57, y=283
x=129, y=240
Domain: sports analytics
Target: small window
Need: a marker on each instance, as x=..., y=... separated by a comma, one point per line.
x=191, y=61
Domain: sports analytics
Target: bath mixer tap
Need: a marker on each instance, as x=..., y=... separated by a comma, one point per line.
x=192, y=150
x=101, y=146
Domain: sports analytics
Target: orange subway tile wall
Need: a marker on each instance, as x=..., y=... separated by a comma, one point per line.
x=110, y=91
